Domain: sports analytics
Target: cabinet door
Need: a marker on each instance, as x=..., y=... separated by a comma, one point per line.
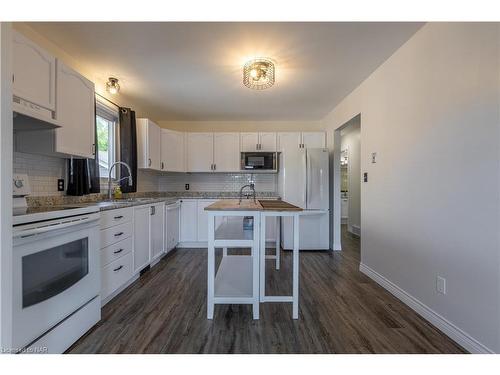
x=154, y=140
x=141, y=237
x=203, y=218
x=157, y=228
x=288, y=141
x=34, y=72
x=200, y=152
x=172, y=225
x=189, y=220
x=75, y=113
x=267, y=142
x=226, y=152
x=172, y=151
x=314, y=139
x=249, y=142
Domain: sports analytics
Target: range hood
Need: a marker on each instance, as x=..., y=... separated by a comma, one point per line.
x=29, y=117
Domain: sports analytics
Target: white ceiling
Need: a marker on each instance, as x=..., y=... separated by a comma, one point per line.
x=193, y=71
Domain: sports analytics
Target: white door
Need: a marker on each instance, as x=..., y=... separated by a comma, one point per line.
x=267, y=142
x=226, y=152
x=314, y=139
x=289, y=141
x=157, y=227
x=172, y=225
x=249, y=142
x=317, y=184
x=154, y=140
x=189, y=220
x=141, y=237
x=34, y=72
x=200, y=152
x=203, y=218
x=172, y=151
x=75, y=113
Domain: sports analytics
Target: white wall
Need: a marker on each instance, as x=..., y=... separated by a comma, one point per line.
x=431, y=204
x=351, y=141
x=6, y=137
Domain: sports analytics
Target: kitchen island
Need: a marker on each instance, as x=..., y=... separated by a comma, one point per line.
x=240, y=279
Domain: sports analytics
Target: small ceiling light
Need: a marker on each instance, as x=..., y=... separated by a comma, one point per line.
x=112, y=85
x=258, y=74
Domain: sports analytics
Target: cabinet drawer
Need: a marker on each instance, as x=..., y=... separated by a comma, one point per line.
x=115, y=217
x=114, y=234
x=115, y=251
x=115, y=274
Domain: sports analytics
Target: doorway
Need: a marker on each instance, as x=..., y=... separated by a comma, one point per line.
x=347, y=180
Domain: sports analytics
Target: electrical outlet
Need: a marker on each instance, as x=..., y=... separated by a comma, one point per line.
x=60, y=184
x=186, y=186
x=441, y=285
x=365, y=177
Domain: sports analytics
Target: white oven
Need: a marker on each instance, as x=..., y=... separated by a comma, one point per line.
x=56, y=273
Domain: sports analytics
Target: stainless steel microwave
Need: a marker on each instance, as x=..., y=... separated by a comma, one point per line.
x=259, y=162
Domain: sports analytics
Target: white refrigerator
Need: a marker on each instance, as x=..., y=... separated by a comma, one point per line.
x=303, y=181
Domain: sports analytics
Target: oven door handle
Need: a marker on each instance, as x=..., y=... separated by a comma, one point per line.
x=53, y=227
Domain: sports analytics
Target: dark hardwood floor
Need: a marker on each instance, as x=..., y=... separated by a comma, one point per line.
x=341, y=311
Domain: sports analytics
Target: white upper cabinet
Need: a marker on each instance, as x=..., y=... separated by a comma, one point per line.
x=249, y=142
x=148, y=144
x=75, y=113
x=267, y=142
x=226, y=152
x=258, y=142
x=34, y=73
x=200, y=152
x=289, y=140
x=313, y=140
x=172, y=151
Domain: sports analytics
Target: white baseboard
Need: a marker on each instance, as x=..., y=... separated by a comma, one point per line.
x=452, y=331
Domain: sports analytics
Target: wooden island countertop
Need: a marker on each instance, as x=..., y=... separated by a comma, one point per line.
x=250, y=205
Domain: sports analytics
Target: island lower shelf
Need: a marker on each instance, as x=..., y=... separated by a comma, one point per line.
x=234, y=279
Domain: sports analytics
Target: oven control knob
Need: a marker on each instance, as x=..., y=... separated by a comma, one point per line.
x=18, y=184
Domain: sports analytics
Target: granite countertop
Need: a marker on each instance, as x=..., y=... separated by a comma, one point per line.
x=134, y=199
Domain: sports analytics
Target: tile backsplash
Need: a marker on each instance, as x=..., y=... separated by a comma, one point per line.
x=216, y=181
x=44, y=171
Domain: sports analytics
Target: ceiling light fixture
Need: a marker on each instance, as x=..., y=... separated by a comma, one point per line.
x=258, y=74
x=112, y=86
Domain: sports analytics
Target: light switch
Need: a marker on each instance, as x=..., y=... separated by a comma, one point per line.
x=374, y=157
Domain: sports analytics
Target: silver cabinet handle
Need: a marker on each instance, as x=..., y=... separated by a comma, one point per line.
x=118, y=234
x=215, y=167
x=149, y=162
x=162, y=165
x=118, y=217
x=153, y=210
x=118, y=269
x=117, y=251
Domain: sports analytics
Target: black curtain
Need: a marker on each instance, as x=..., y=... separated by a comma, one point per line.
x=83, y=174
x=128, y=148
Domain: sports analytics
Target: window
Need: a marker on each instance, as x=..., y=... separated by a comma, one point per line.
x=107, y=137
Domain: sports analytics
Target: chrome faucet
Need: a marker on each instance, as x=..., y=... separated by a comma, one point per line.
x=251, y=185
x=129, y=177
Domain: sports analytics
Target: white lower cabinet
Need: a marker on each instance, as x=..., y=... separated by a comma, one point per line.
x=202, y=218
x=189, y=220
x=172, y=226
x=116, y=250
x=116, y=274
x=141, y=237
x=157, y=227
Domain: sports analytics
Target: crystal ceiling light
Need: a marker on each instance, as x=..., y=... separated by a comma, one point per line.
x=258, y=74
x=112, y=86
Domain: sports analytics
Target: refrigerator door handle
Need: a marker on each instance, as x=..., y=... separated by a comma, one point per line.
x=308, y=180
x=304, y=164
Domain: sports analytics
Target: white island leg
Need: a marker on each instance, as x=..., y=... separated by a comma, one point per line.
x=211, y=267
x=295, y=293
